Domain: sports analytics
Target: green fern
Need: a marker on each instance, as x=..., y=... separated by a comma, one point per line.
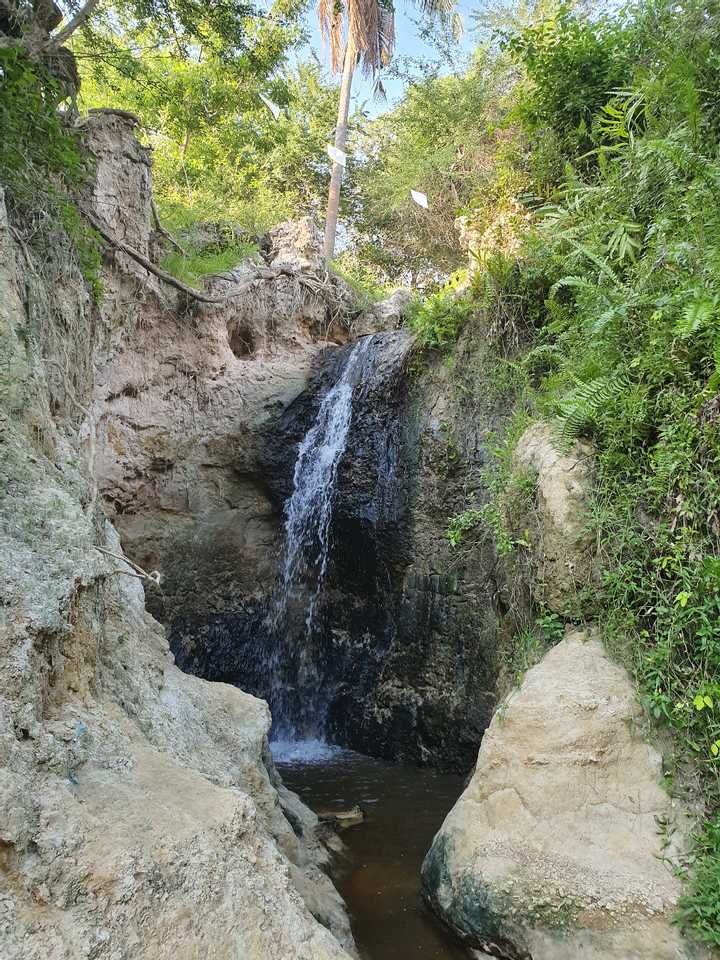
x=602, y=265
x=571, y=282
x=625, y=243
x=580, y=409
x=607, y=317
x=697, y=315
x=542, y=359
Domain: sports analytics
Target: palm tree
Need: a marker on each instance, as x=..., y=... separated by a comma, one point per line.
x=359, y=32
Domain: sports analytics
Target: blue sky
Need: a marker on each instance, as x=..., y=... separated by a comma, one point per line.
x=408, y=44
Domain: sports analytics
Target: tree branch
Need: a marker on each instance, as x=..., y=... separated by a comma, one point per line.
x=72, y=25
x=316, y=285
x=161, y=229
x=148, y=265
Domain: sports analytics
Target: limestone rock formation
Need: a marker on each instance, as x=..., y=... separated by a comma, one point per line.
x=121, y=188
x=298, y=244
x=140, y=815
x=562, y=548
x=556, y=849
x=387, y=314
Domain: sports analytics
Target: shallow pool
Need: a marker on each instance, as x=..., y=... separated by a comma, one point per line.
x=380, y=879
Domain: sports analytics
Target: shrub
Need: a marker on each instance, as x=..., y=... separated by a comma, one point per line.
x=39, y=155
x=438, y=319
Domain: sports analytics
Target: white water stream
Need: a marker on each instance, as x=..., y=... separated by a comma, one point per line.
x=308, y=517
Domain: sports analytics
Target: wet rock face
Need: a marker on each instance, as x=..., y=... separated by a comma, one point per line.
x=433, y=693
x=406, y=632
x=553, y=851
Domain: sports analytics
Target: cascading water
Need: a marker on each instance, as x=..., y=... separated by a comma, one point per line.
x=299, y=709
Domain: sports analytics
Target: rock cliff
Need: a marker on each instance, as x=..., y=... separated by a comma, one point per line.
x=405, y=634
x=140, y=815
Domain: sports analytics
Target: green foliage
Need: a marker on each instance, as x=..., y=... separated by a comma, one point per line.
x=193, y=267
x=580, y=408
x=438, y=319
x=39, y=155
x=461, y=524
x=572, y=64
x=87, y=246
x=218, y=153
x=41, y=164
x=514, y=493
x=527, y=646
x=607, y=312
x=446, y=140
x=700, y=907
x=224, y=25
x=362, y=278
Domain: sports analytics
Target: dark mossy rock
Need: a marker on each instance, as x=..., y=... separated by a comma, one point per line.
x=404, y=647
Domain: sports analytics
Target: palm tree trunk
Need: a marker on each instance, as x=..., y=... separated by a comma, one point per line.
x=340, y=142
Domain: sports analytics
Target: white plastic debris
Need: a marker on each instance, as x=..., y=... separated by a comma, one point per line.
x=272, y=107
x=336, y=155
x=420, y=199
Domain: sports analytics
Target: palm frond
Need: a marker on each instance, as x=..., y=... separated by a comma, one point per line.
x=386, y=35
x=363, y=26
x=331, y=20
x=441, y=8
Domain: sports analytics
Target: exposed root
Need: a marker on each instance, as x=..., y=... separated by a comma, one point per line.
x=137, y=571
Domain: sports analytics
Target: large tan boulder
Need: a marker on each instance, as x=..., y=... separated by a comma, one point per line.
x=561, y=543
x=554, y=851
x=298, y=243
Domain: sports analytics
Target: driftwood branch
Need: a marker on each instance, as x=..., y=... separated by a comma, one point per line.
x=165, y=233
x=148, y=265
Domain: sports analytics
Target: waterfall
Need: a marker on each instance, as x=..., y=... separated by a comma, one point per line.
x=299, y=711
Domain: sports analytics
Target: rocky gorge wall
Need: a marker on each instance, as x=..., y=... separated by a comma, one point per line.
x=140, y=814
x=568, y=840
x=198, y=411
x=420, y=685
x=406, y=633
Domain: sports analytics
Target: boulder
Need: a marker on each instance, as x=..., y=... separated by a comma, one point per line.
x=298, y=243
x=557, y=848
x=387, y=314
x=561, y=543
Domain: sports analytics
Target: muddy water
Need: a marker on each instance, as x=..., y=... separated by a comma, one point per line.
x=379, y=879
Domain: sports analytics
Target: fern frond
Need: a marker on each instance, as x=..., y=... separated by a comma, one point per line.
x=602, y=265
x=580, y=409
x=697, y=315
x=579, y=282
x=605, y=318
x=542, y=359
